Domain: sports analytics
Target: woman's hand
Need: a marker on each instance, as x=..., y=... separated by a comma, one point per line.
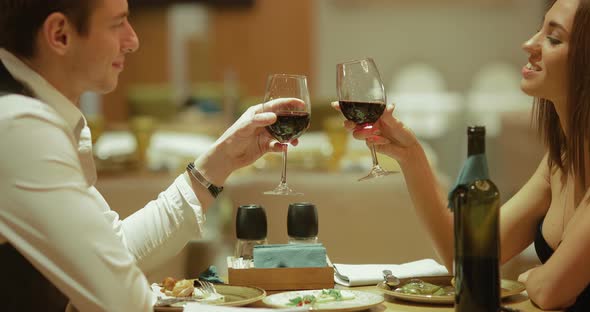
x=389, y=135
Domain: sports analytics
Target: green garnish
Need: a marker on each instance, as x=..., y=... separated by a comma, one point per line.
x=332, y=293
x=325, y=296
x=301, y=301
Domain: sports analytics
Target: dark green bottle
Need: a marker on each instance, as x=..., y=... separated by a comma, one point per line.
x=477, y=239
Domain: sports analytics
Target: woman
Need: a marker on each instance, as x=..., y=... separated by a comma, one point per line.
x=552, y=209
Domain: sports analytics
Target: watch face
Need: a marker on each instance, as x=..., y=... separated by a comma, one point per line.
x=215, y=190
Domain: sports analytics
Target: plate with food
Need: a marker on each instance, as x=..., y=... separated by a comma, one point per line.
x=438, y=289
x=173, y=293
x=325, y=300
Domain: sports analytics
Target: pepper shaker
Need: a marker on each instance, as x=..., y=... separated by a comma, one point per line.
x=250, y=230
x=302, y=223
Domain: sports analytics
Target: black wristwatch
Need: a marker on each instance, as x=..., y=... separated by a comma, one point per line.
x=213, y=189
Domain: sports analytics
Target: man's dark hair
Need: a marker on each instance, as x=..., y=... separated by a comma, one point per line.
x=20, y=21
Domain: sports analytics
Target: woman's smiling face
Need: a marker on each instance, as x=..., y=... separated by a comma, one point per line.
x=545, y=75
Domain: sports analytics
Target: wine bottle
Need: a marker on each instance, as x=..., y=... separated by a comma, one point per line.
x=476, y=230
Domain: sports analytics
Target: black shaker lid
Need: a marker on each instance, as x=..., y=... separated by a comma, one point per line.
x=251, y=222
x=302, y=220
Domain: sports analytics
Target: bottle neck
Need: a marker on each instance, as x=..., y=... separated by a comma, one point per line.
x=476, y=144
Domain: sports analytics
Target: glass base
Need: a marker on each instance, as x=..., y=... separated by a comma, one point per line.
x=377, y=172
x=283, y=189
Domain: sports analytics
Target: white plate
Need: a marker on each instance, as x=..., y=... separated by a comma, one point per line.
x=362, y=300
x=234, y=296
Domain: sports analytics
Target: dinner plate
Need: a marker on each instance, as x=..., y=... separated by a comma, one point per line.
x=234, y=296
x=362, y=300
x=508, y=288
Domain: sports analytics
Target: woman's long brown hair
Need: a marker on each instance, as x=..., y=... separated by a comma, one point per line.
x=567, y=153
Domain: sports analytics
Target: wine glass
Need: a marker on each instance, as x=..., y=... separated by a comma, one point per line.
x=292, y=117
x=362, y=99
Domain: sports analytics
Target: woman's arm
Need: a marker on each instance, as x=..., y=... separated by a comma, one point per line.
x=558, y=282
x=392, y=138
x=429, y=203
x=518, y=217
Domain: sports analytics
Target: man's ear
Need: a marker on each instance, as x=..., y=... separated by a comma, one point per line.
x=57, y=32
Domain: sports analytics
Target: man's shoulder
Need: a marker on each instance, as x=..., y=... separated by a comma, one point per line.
x=19, y=102
x=13, y=106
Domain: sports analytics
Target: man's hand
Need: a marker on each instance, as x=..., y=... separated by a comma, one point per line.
x=245, y=141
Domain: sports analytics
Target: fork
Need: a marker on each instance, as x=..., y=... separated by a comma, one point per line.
x=168, y=302
x=205, y=286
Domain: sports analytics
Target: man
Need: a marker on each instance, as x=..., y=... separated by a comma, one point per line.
x=59, y=240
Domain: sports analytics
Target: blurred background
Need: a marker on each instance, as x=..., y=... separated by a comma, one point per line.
x=446, y=64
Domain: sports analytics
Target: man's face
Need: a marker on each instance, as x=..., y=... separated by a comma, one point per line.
x=96, y=58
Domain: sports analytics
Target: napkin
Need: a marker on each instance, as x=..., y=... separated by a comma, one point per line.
x=372, y=274
x=289, y=256
x=474, y=168
x=211, y=275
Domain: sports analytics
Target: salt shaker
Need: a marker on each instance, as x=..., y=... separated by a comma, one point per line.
x=250, y=230
x=302, y=223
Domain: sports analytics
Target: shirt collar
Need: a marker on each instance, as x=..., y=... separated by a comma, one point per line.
x=43, y=90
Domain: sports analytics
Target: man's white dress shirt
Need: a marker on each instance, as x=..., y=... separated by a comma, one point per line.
x=51, y=212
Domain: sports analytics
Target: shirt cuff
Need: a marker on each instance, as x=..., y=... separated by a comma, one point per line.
x=189, y=196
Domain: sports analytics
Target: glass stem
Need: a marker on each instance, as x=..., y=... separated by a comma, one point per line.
x=284, y=171
x=374, y=155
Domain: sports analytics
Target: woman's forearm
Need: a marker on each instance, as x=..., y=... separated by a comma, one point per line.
x=548, y=296
x=429, y=203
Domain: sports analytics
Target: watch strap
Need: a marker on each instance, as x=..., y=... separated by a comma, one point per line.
x=213, y=189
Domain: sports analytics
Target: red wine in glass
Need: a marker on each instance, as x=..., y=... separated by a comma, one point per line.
x=289, y=126
x=362, y=113
x=287, y=97
x=362, y=99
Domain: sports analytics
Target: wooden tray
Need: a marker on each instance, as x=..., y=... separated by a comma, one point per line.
x=283, y=278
